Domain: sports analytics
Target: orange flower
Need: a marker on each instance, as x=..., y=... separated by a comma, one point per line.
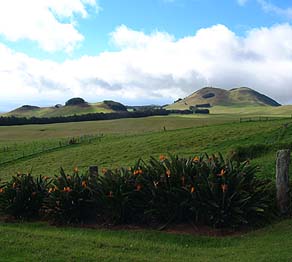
x=168, y=173
x=162, y=157
x=193, y=189
x=1, y=190
x=84, y=184
x=224, y=187
x=138, y=187
x=67, y=189
x=138, y=172
x=103, y=170
x=196, y=159
x=52, y=190
x=75, y=169
x=222, y=173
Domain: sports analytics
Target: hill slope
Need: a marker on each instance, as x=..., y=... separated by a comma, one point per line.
x=242, y=96
x=67, y=110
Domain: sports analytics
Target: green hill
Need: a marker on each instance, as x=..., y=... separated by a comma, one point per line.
x=211, y=96
x=74, y=106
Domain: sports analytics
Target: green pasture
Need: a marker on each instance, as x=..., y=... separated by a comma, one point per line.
x=125, y=141
x=40, y=242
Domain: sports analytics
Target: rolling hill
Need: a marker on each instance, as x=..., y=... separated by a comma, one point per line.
x=211, y=96
x=74, y=106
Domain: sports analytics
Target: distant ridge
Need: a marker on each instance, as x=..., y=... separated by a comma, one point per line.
x=74, y=106
x=242, y=96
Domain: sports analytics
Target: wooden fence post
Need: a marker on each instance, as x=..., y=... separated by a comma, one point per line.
x=282, y=181
x=93, y=170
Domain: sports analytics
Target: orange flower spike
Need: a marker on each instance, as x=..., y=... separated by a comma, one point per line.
x=193, y=189
x=84, y=184
x=222, y=173
x=196, y=159
x=1, y=190
x=168, y=173
x=51, y=190
x=224, y=188
x=67, y=189
x=140, y=171
x=162, y=157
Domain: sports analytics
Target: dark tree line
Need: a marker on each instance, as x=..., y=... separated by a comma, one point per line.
x=12, y=120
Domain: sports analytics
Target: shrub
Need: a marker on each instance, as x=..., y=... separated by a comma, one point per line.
x=123, y=200
x=72, y=198
x=75, y=101
x=23, y=196
x=206, y=190
x=116, y=106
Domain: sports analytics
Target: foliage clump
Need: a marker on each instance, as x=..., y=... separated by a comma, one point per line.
x=206, y=190
x=75, y=101
x=23, y=196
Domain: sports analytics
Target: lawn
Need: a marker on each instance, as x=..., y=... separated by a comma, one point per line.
x=40, y=242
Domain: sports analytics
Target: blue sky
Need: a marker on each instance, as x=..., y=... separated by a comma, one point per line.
x=114, y=49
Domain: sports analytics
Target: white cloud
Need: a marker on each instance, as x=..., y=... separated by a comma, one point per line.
x=50, y=23
x=271, y=8
x=156, y=67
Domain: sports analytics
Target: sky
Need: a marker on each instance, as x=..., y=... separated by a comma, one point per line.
x=141, y=51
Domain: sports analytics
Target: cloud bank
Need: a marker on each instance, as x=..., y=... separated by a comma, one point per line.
x=156, y=67
x=50, y=23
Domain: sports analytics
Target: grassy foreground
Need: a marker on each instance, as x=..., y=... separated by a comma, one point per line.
x=40, y=242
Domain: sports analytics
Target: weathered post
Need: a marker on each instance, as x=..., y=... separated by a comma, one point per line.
x=282, y=181
x=93, y=170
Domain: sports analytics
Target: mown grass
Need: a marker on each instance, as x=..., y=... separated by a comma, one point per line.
x=40, y=242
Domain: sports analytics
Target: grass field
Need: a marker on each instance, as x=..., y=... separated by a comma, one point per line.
x=39, y=242
x=123, y=142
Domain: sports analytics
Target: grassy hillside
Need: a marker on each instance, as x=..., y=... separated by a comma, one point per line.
x=39, y=242
x=242, y=96
x=113, y=150
x=28, y=111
